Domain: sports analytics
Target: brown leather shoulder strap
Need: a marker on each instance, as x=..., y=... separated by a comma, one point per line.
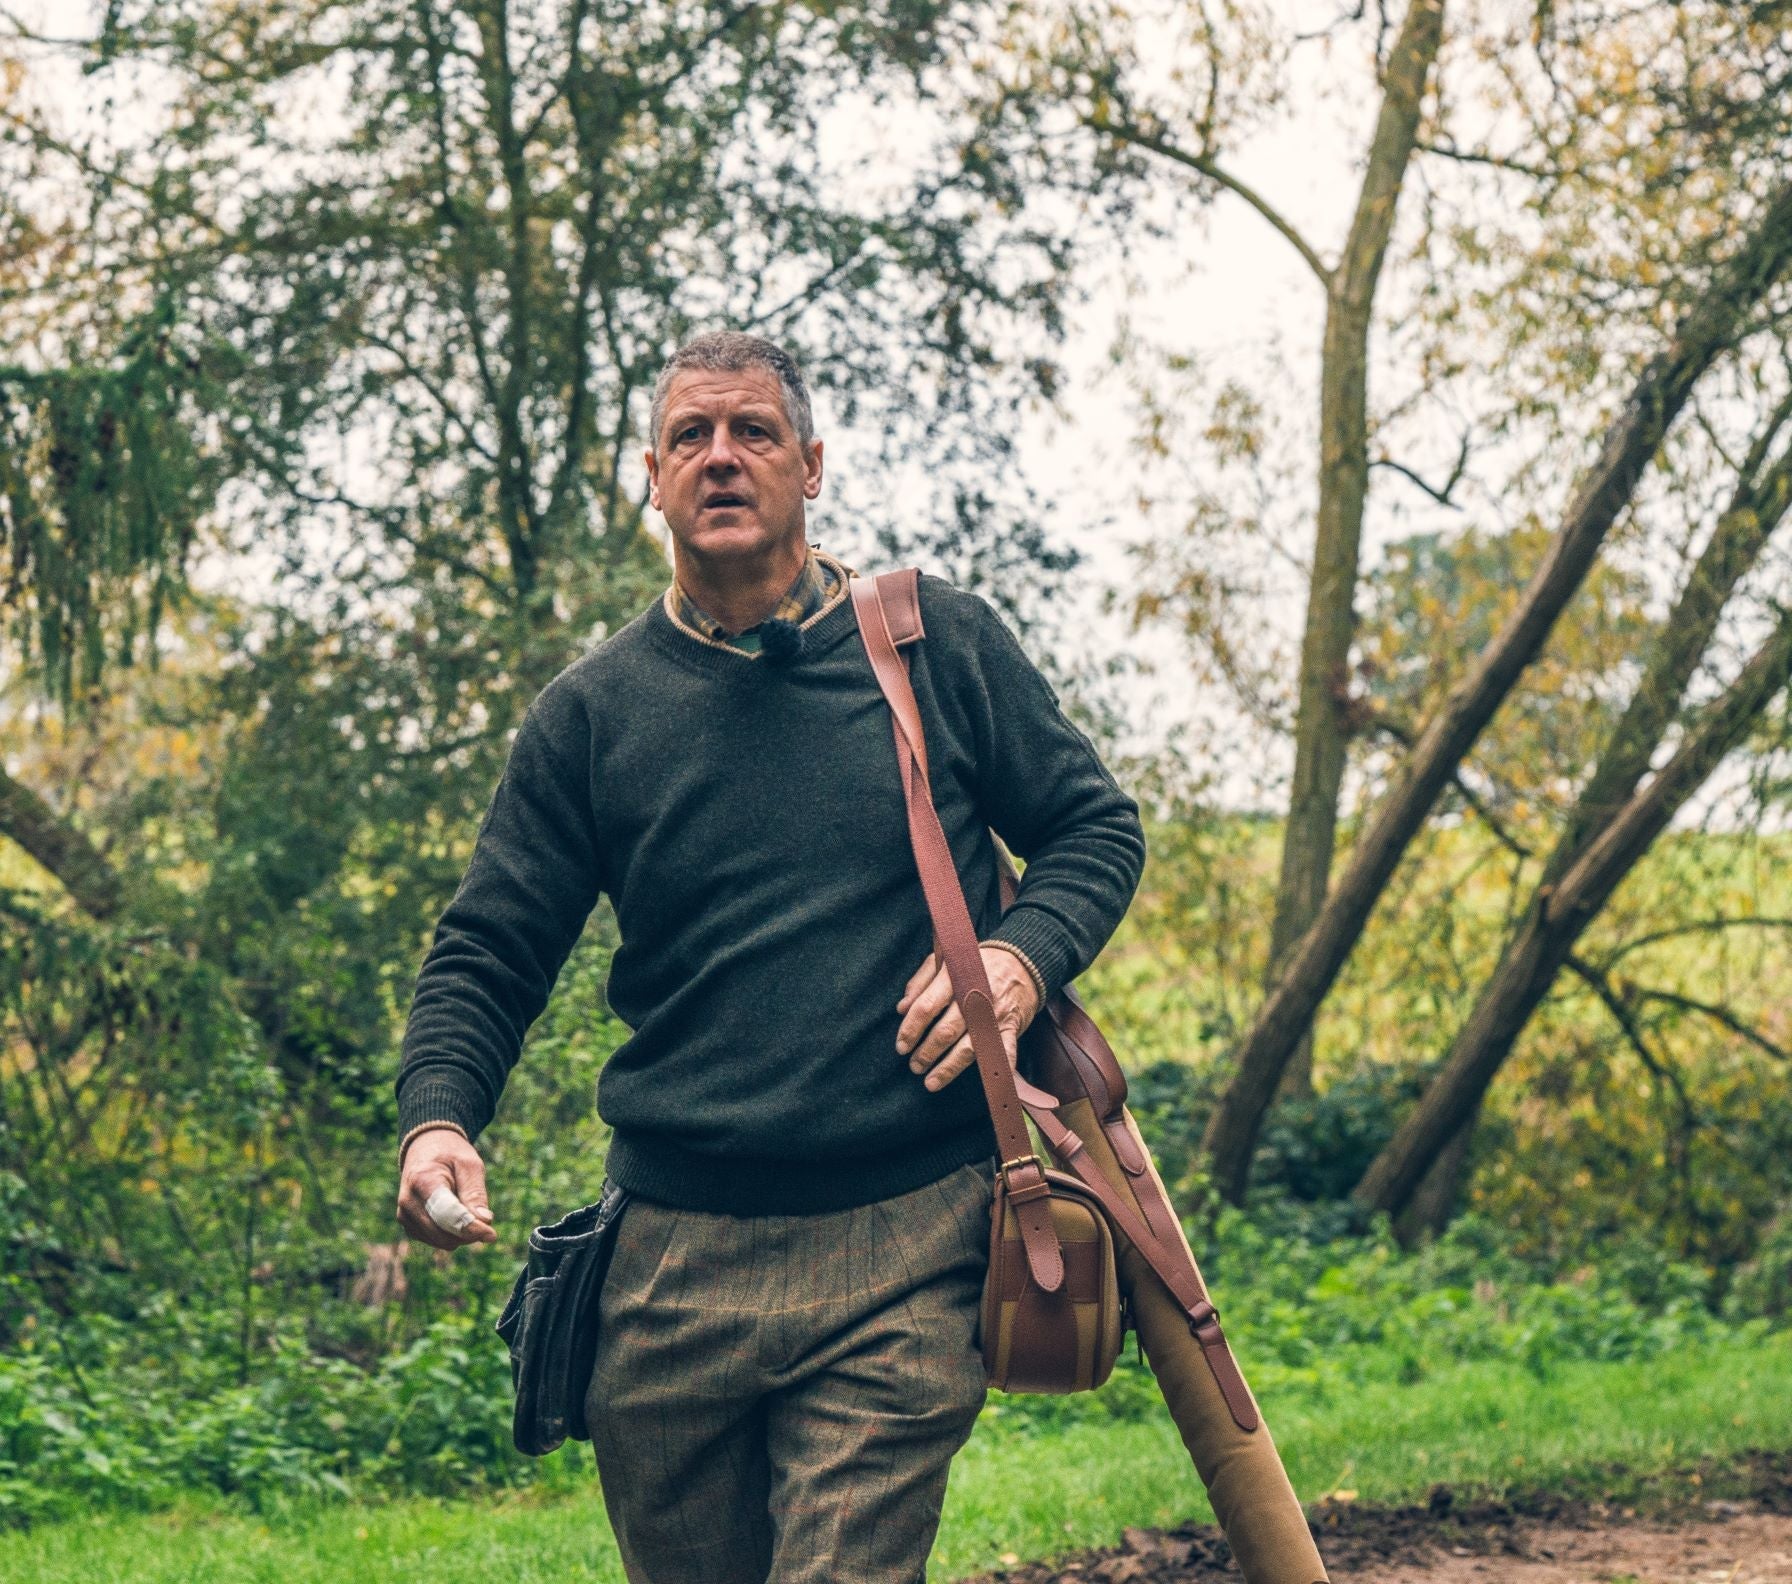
x=889, y=600
x=900, y=593
x=1023, y=1173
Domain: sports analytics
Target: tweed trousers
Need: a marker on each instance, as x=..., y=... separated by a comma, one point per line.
x=777, y=1399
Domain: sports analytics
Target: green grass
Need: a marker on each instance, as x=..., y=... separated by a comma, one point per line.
x=1489, y=1426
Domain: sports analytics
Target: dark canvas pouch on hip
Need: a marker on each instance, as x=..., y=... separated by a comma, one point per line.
x=549, y=1322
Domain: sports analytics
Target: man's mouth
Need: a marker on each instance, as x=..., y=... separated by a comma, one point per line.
x=725, y=500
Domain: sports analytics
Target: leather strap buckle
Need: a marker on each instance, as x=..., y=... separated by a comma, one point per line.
x=1032, y=1191
x=1204, y=1315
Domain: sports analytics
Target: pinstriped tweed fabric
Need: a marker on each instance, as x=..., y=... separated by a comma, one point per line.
x=777, y=1399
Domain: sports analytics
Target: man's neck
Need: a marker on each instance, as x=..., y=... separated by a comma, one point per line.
x=740, y=594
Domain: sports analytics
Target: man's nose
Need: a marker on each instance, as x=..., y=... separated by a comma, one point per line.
x=721, y=455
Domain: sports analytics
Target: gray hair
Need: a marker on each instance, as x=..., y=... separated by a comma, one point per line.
x=727, y=352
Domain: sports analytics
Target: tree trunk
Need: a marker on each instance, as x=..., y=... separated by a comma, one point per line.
x=1556, y=921
x=1321, y=729
x=1656, y=400
x=1755, y=511
x=61, y=849
x=1435, y=1200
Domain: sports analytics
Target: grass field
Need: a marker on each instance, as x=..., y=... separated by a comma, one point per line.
x=1016, y=1494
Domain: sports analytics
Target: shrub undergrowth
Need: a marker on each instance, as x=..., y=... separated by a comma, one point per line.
x=96, y=1412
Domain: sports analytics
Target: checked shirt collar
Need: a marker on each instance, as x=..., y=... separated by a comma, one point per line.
x=814, y=585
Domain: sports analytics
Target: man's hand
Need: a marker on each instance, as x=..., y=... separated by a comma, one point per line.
x=943, y=1050
x=442, y=1164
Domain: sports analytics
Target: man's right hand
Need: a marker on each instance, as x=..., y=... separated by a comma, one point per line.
x=438, y=1159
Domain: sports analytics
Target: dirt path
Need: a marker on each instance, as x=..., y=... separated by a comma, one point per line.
x=1669, y=1530
x=1753, y=1549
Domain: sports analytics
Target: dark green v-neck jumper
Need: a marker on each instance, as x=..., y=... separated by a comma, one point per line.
x=744, y=817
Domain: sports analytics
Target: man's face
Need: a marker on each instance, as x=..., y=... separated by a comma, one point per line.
x=729, y=475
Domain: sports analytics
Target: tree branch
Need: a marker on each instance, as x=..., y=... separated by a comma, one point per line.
x=1721, y=1015
x=1700, y=927
x=59, y=847
x=1496, y=161
x=1441, y=496
x=1218, y=174
x=1610, y=855
x=592, y=250
x=1403, y=734
x=1619, y=1009
x=516, y=479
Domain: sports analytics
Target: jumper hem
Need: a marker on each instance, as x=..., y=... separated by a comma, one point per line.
x=687, y=1179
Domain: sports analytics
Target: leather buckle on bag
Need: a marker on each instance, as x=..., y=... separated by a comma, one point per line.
x=1028, y=1194
x=1205, y=1315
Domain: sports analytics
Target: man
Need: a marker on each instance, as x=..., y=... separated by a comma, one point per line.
x=788, y=1357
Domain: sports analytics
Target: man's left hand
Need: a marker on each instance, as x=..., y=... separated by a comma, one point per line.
x=932, y=1033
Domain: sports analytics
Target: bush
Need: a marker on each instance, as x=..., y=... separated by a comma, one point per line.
x=1312, y=1150
x=1316, y=1317
x=121, y=1429
x=1763, y=1287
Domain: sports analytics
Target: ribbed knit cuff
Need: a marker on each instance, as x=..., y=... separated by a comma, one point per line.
x=1034, y=936
x=425, y=1127
x=436, y=1097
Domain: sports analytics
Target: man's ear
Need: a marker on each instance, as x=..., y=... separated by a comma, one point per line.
x=812, y=471
x=653, y=476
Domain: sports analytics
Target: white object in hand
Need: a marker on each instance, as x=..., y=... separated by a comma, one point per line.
x=447, y=1211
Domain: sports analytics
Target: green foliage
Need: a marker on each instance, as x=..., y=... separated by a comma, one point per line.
x=207, y=1295
x=433, y=257
x=89, y=1419
x=1313, y=1147
x=105, y=473
x=133, y=1406
x=1763, y=1286
x=1318, y=1319
x=1587, y=1143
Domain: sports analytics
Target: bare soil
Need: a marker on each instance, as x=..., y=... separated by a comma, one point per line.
x=1707, y=1524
